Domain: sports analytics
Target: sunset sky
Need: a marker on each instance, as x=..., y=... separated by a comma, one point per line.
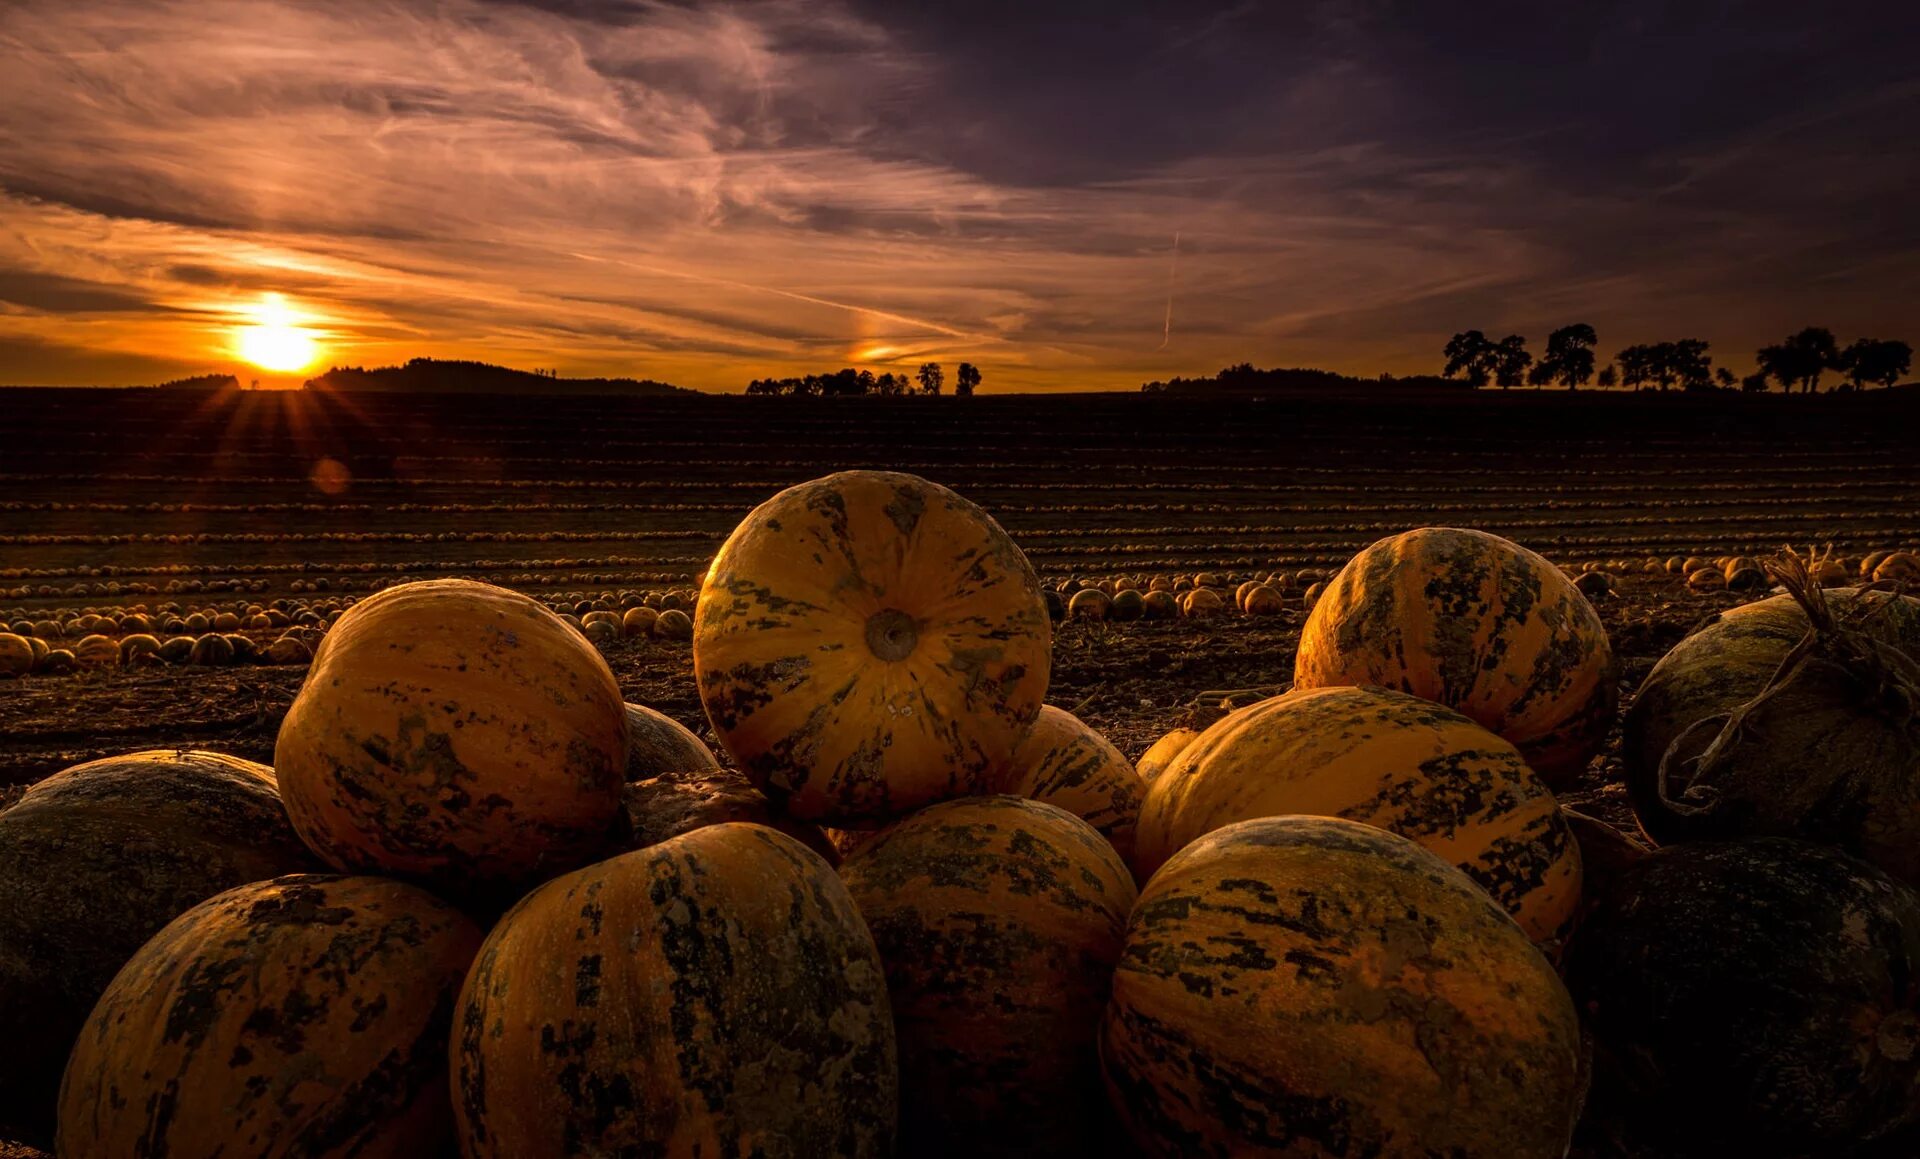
x=706, y=193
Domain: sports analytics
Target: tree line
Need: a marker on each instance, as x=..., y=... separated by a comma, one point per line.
x=930, y=379
x=1686, y=363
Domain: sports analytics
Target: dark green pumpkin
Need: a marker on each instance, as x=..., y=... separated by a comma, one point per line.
x=93, y=862
x=1759, y=997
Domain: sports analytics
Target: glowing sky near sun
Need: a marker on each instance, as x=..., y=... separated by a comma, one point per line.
x=710, y=192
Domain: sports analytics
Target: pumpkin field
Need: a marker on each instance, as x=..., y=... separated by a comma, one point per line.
x=1407, y=774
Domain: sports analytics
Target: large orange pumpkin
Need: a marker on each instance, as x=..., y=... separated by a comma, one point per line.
x=307, y=1015
x=93, y=862
x=1310, y=986
x=869, y=643
x=1381, y=758
x=16, y=655
x=716, y=994
x=1064, y=762
x=1478, y=624
x=456, y=733
x=998, y=920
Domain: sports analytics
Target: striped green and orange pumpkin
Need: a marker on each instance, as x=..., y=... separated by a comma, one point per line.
x=716, y=994
x=307, y=1015
x=998, y=920
x=456, y=733
x=1478, y=624
x=660, y=808
x=1311, y=986
x=869, y=643
x=1382, y=758
x=1064, y=762
x=93, y=862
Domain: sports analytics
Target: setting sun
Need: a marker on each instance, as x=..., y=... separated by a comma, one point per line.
x=275, y=340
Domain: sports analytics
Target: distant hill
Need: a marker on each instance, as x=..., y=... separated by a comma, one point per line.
x=1246, y=379
x=434, y=376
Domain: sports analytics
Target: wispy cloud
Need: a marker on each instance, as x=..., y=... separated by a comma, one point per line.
x=708, y=192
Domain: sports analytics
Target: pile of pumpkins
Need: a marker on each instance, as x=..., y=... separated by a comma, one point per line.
x=479, y=902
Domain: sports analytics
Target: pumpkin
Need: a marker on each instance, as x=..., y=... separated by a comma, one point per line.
x=288, y=650
x=869, y=643
x=673, y=624
x=93, y=861
x=1056, y=607
x=1381, y=758
x=1594, y=585
x=657, y=743
x=1901, y=567
x=1202, y=602
x=998, y=921
x=1743, y=575
x=455, y=733
x=1694, y=563
x=1478, y=624
x=1159, y=604
x=1089, y=604
x=1756, y=997
x=665, y=805
x=1312, y=986
x=1310, y=597
x=1162, y=753
x=96, y=652
x=1128, y=605
x=638, y=622
x=1240, y=594
x=1791, y=716
x=1871, y=562
x=1831, y=573
x=716, y=994
x=177, y=649
x=1263, y=601
x=1064, y=762
x=16, y=655
x=1706, y=579
x=133, y=649
x=211, y=651
x=600, y=633
x=56, y=662
x=307, y=1015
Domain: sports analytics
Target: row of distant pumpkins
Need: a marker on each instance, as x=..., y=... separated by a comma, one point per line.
x=928, y=915
x=216, y=637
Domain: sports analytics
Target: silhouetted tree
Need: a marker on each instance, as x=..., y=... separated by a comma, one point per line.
x=1874, y=360
x=890, y=384
x=1510, y=361
x=1755, y=383
x=930, y=378
x=1569, y=358
x=1471, y=354
x=1608, y=377
x=965, y=378
x=1541, y=374
x=1801, y=358
x=1636, y=365
x=1726, y=378
x=1687, y=361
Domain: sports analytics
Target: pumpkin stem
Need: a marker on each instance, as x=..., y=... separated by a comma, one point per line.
x=1888, y=678
x=892, y=635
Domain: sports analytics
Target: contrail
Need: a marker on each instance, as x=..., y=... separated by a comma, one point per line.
x=1166, y=335
x=798, y=297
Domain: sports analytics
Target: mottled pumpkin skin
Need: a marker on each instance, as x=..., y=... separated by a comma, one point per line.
x=1759, y=996
x=93, y=862
x=1382, y=758
x=1478, y=624
x=1308, y=986
x=1806, y=769
x=663, y=807
x=1163, y=752
x=999, y=920
x=869, y=643
x=1066, y=763
x=458, y=734
x=304, y=1016
x=657, y=744
x=716, y=994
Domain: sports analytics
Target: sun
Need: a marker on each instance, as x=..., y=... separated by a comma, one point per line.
x=275, y=340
